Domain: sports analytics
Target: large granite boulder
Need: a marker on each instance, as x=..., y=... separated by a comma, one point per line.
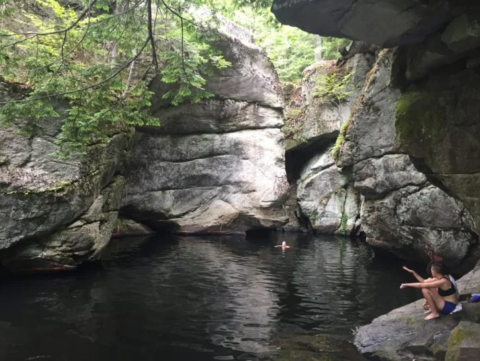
x=403, y=334
x=402, y=212
x=56, y=213
x=216, y=166
x=444, y=140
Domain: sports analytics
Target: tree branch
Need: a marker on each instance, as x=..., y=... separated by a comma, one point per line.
x=182, y=19
x=75, y=23
x=150, y=34
x=104, y=81
x=129, y=79
x=31, y=35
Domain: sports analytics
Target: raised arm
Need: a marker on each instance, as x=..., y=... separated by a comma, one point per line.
x=415, y=274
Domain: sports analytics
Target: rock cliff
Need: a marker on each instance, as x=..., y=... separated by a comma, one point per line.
x=213, y=167
x=315, y=112
x=56, y=213
x=410, y=144
x=403, y=211
x=371, y=186
x=217, y=166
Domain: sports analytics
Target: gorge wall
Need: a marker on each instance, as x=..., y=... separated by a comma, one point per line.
x=350, y=176
x=216, y=166
x=411, y=144
x=213, y=167
x=56, y=213
x=370, y=160
x=411, y=149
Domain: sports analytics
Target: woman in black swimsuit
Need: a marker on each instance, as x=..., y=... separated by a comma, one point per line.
x=444, y=300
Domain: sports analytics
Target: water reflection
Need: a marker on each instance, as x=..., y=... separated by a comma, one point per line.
x=197, y=299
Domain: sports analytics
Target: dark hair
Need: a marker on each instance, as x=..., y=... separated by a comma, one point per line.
x=429, y=268
x=439, y=267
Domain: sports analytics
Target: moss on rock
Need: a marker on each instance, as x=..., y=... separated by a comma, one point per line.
x=464, y=342
x=421, y=119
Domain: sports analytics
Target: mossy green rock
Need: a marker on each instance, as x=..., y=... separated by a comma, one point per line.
x=464, y=342
x=437, y=124
x=57, y=213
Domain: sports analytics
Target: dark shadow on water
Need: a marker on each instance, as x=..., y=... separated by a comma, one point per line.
x=198, y=298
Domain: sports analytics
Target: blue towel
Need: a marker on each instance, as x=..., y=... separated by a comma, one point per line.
x=475, y=298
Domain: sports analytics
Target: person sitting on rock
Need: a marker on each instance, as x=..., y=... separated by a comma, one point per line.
x=283, y=245
x=420, y=279
x=444, y=300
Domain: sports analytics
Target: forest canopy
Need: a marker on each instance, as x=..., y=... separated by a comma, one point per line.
x=90, y=61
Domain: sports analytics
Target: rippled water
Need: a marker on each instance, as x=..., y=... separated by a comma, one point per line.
x=198, y=299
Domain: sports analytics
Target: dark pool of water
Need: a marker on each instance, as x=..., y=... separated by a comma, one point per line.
x=197, y=299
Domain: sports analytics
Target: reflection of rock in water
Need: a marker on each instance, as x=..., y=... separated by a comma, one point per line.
x=247, y=306
x=315, y=348
x=328, y=276
x=199, y=299
x=226, y=294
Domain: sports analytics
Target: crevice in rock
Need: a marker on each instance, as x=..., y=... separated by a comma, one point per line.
x=296, y=158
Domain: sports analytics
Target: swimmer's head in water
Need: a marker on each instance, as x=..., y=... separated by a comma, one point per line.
x=284, y=243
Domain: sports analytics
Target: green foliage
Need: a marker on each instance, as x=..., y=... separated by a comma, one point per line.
x=89, y=63
x=290, y=49
x=341, y=138
x=96, y=63
x=334, y=86
x=331, y=47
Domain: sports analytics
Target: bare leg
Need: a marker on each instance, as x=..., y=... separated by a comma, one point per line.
x=435, y=301
x=426, y=307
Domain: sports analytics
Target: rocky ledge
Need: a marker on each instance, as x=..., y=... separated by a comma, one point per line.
x=403, y=335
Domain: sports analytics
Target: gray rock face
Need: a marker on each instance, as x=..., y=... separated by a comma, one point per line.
x=402, y=212
x=251, y=77
x=314, y=118
x=418, y=222
x=371, y=129
x=326, y=198
x=326, y=201
x=403, y=334
x=57, y=213
x=390, y=22
x=217, y=166
x=445, y=138
x=375, y=177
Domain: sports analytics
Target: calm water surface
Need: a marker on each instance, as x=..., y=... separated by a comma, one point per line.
x=198, y=299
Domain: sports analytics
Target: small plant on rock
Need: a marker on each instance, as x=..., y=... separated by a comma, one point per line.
x=335, y=87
